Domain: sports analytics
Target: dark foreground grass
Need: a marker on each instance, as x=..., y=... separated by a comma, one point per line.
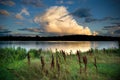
x=15, y=65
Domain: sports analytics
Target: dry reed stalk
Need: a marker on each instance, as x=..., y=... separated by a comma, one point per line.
x=104, y=50
x=85, y=62
x=79, y=60
x=46, y=72
x=90, y=52
x=64, y=55
x=52, y=62
x=28, y=57
x=42, y=62
x=95, y=63
x=57, y=64
x=71, y=52
x=78, y=55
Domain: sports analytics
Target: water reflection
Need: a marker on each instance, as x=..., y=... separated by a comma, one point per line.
x=68, y=46
x=60, y=45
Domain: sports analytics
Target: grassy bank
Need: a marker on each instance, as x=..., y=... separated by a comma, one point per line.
x=18, y=64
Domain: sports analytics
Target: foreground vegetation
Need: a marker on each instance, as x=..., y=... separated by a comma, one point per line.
x=19, y=64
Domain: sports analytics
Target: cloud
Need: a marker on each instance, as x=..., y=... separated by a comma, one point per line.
x=117, y=32
x=59, y=2
x=36, y=3
x=95, y=33
x=3, y=30
x=116, y=23
x=52, y=22
x=31, y=30
x=9, y=3
x=1, y=27
x=19, y=16
x=82, y=13
x=69, y=2
x=23, y=11
x=110, y=18
x=19, y=23
x=113, y=30
x=4, y=12
x=110, y=27
x=90, y=19
x=64, y=2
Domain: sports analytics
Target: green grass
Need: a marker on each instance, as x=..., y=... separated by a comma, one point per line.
x=14, y=65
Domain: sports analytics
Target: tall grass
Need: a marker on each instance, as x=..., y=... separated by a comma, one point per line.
x=46, y=65
x=64, y=55
x=85, y=62
x=42, y=62
x=95, y=63
x=28, y=57
x=52, y=62
x=79, y=60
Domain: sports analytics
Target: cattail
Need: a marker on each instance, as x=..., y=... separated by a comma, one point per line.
x=52, y=62
x=78, y=55
x=104, y=50
x=42, y=62
x=28, y=57
x=64, y=55
x=71, y=52
x=85, y=62
x=90, y=52
x=57, y=64
x=95, y=63
x=46, y=72
x=79, y=59
x=39, y=51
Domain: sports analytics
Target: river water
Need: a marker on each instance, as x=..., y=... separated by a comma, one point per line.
x=60, y=45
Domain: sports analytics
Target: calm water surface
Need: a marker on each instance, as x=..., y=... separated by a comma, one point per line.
x=64, y=45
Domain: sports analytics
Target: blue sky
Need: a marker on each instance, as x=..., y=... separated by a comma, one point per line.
x=101, y=17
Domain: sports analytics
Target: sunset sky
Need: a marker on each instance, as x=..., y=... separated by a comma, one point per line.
x=59, y=17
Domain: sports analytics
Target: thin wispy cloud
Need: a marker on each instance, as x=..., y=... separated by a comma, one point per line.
x=7, y=2
x=20, y=14
x=82, y=13
x=4, y=12
x=19, y=23
x=38, y=30
x=90, y=19
x=4, y=30
x=113, y=29
x=70, y=2
x=36, y=3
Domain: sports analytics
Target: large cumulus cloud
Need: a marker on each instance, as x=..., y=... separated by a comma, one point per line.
x=57, y=20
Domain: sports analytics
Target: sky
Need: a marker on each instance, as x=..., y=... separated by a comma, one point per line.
x=59, y=17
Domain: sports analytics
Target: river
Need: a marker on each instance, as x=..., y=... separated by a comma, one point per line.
x=60, y=45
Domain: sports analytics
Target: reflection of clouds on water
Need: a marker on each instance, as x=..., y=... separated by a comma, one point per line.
x=60, y=45
x=95, y=44
x=104, y=44
x=67, y=47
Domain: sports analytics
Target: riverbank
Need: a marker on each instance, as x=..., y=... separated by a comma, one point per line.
x=60, y=38
x=17, y=64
